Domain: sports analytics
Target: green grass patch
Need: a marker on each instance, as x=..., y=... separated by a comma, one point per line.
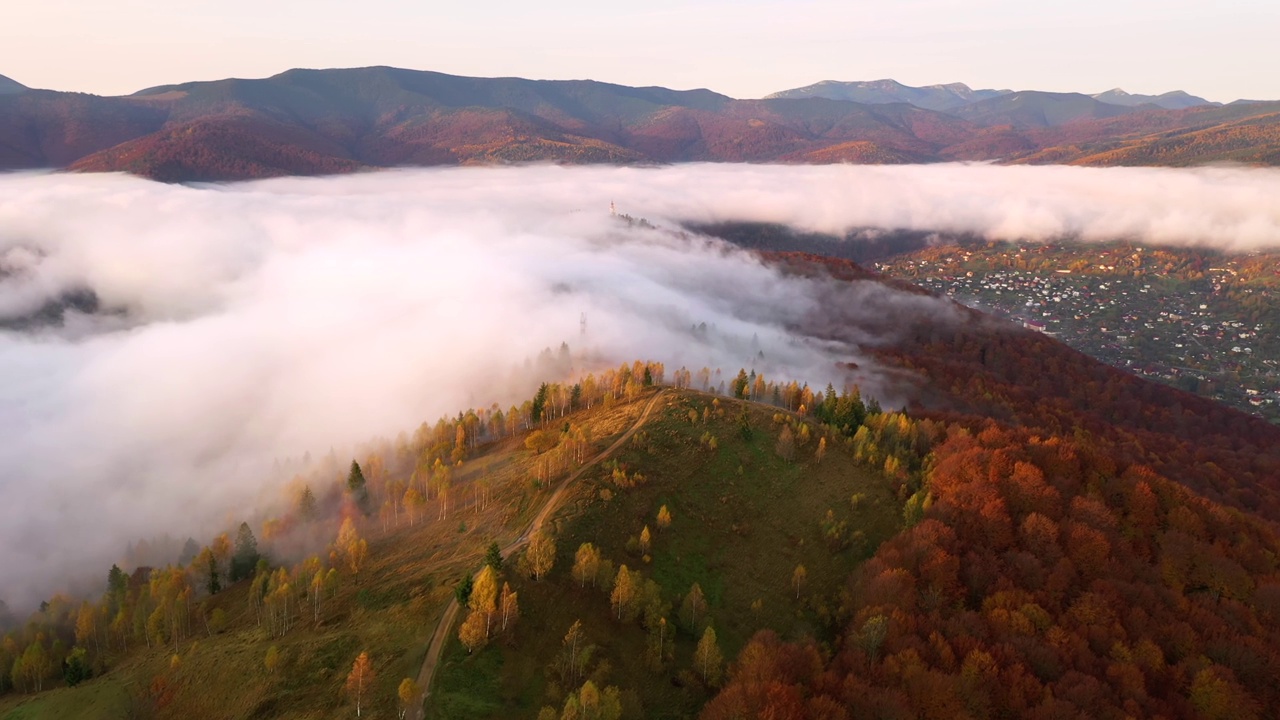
x=99, y=699
x=468, y=686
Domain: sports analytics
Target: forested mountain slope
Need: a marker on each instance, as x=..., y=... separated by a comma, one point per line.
x=307, y=122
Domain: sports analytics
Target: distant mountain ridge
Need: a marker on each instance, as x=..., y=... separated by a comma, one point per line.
x=875, y=92
x=953, y=96
x=1039, y=109
x=309, y=122
x=9, y=86
x=1174, y=100
x=323, y=121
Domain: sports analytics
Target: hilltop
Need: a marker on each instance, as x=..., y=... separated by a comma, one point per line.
x=727, y=495
x=309, y=122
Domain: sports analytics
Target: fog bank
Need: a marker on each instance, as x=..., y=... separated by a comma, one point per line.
x=233, y=325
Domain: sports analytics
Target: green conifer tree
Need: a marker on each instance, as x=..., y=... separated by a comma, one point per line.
x=493, y=556
x=246, y=557
x=356, y=487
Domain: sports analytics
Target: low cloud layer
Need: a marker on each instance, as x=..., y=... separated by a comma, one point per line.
x=1231, y=209
x=239, y=324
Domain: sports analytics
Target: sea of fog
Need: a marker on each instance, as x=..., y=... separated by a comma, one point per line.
x=234, y=325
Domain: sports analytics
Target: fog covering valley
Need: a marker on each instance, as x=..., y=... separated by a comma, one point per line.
x=161, y=347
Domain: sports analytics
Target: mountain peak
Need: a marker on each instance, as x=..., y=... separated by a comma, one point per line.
x=9, y=86
x=887, y=90
x=1174, y=100
x=317, y=121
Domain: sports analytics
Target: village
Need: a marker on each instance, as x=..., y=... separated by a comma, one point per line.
x=1207, y=330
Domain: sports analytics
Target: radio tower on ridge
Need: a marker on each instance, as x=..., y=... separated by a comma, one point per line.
x=584, y=323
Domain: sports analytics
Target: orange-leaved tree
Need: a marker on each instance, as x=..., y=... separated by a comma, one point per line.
x=360, y=679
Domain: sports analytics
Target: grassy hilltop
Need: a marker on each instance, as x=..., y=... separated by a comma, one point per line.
x=743, y=518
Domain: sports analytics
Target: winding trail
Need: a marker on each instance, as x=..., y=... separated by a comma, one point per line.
x=450, y=617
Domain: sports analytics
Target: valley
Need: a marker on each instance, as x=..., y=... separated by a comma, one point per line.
x=1202, y=320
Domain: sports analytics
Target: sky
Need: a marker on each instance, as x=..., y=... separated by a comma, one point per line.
x=744, y=48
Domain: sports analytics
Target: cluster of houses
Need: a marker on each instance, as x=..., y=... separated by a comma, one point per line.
x=1157, y=327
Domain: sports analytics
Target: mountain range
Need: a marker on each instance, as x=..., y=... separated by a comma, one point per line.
x=306, y=122
x=952, y=96
x=1175, y=100
x=874, y=92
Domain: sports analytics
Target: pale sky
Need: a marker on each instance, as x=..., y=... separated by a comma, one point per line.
x=745, y=48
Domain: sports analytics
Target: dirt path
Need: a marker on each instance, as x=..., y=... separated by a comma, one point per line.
x=445, y=628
